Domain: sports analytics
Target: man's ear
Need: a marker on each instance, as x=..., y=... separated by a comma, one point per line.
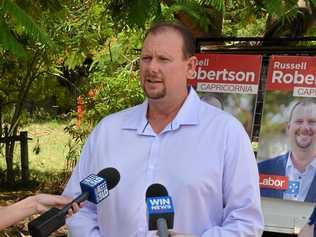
x=191, y=65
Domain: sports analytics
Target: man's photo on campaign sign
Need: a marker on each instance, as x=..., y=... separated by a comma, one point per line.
x=242, y=106
x=287, y=146
x=221, y=80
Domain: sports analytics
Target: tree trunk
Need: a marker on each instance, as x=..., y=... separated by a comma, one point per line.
x=9, y=149
x=27, y=81
x=0, y=122
x=1, y=129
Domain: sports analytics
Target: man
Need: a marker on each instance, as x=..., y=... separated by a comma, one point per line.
x=32, y=205
x=198, y=152
x=299, y=165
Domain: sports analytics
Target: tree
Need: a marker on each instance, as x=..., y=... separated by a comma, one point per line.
x=96, y=42
x=13, y=22
x=31, y=60
x=206, y=17
x=80, y=33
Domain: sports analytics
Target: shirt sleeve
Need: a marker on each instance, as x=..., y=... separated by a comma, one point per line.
x=242, y=215
x=84, y=223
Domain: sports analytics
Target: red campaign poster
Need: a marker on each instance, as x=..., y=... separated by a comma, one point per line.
x=287, y=144
x=229, y=82
x=227, y=73
x=292, y=73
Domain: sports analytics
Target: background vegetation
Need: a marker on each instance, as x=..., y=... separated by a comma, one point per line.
x=53, y=51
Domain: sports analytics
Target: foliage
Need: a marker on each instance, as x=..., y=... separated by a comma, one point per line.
x=237, y=14
x=95, y=49
x=113, y=82
x=243, y=19
x=14, y=17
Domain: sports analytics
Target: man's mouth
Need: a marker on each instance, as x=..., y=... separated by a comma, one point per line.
x=304, y=133
x=153, y=81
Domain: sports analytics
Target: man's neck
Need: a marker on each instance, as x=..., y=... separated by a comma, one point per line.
x=301, y=160
x=161, y=113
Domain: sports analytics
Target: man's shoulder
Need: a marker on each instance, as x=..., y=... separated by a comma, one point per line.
x=215, y=112
x=275, y=162
x=123, y=113
x=118, y=118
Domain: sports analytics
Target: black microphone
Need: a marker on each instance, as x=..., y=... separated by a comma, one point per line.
x=95, y=188
x=160, y=212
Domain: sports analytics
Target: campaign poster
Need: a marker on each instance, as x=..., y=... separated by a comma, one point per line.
x=229, y=82
x=287, y=142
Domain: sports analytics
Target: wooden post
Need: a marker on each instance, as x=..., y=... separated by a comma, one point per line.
x=24, y=157
x=8, y=158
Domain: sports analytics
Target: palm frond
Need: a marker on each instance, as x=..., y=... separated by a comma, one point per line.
x=9, y=42
x=134, y=12
x=24, y=20
x=194, y=10
x=281, y=9
x=219, y=5
x=313, y=2
x=141, y=11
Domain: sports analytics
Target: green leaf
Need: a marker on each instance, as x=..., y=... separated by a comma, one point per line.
x=9, y=42
x=217, y=4
x=194, y=10
x=313, y=2
x=30, y=28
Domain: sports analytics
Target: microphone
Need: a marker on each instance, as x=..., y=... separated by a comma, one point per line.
x=95, y=188
x=160, y=212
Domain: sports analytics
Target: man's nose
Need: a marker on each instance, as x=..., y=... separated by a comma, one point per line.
x=153, y=65
x=305, y=127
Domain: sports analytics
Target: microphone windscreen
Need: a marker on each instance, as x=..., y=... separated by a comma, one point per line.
x=111, y=175
x=156, y=190
x=159, y=207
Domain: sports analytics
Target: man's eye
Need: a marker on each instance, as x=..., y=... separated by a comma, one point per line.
x=312, y=122
x=146, y=58
x=163, y=59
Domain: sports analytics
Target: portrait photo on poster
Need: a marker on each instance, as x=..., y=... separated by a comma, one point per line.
x=241, y=106
x=287, y=142
x=222, y=81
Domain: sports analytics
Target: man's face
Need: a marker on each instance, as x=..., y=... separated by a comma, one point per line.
x=164, y=69
x=302, y=128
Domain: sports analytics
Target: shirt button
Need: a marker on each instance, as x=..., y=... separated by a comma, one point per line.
x=299, y=177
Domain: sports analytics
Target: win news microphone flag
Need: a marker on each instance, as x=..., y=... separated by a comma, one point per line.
x=160, y=212
x=95, y=188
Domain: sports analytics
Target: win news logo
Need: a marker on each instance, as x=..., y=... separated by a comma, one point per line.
x=159, y=205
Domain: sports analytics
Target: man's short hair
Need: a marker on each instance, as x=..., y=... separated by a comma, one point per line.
x=303, y=102
x=188, y=47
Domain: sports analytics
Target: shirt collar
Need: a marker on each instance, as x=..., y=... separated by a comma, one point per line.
x=187, y=115
x=289, y=163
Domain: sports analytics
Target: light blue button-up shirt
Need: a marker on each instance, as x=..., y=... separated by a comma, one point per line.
x=203, y=157
x=302, y=179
